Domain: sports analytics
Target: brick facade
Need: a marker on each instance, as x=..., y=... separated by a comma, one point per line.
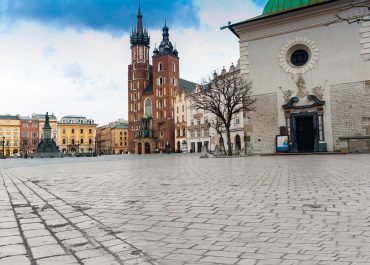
x=262, y=125
x=350, y=107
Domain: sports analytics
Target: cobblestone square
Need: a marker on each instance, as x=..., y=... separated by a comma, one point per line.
x=180, y=209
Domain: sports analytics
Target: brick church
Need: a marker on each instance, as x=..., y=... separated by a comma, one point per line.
x=152, y=92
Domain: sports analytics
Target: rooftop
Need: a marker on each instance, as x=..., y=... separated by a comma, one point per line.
x=9, y=117
x=276, y=6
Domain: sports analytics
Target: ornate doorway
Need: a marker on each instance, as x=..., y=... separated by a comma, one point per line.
x=305, y=132
x=238, y=142
x=139, y=148
x=147, y=148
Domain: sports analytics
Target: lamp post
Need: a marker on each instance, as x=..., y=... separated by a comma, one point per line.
x=210, y=149
x=7, y=144
x=3, y=142
x=78, y=148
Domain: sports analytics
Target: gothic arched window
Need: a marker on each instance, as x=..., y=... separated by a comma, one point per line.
x=148, y=107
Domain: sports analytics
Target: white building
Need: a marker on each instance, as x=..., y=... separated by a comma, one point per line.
x=310, y=73
x=199, y=131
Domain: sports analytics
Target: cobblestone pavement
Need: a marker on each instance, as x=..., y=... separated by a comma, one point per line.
x=184, y=210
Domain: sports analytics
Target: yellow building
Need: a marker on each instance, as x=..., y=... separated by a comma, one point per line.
x=119, y=140
x=9, y=135
x=112, y=138
x=76, y=135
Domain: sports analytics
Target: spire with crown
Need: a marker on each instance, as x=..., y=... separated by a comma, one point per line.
x=166, y=47
x=139, y=35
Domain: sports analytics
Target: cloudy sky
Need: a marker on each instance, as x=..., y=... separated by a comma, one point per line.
x=71, y=57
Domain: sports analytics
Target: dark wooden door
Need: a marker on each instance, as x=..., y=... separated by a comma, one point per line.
x=305, y=134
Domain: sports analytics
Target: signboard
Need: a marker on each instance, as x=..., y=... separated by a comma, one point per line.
x=282, y=143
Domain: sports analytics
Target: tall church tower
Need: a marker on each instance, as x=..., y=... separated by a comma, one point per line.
x=166, y=83
x=139, y=77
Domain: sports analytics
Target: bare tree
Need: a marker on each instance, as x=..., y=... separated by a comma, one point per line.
x=355, y=13
x=223, y=95
x=218, y=125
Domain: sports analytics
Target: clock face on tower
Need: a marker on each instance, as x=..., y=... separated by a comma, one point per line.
x=141, y=54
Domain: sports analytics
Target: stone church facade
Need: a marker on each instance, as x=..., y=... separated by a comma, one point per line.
x=152, y=90
x=310, y=70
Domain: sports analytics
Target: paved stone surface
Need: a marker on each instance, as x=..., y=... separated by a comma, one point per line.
x=176, y=209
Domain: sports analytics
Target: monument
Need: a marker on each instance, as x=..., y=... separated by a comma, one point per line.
x=47, y=147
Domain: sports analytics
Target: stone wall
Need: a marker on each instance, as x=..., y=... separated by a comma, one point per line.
x=350, y=108
x=262, y=125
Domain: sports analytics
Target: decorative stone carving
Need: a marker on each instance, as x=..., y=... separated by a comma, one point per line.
x=285, y=52
x=301, y=85
x=318, y=92
x=287, y=94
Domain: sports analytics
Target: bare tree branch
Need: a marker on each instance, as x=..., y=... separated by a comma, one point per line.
x=224, y=96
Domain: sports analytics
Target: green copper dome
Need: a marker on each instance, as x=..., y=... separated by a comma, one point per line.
x=275, y=6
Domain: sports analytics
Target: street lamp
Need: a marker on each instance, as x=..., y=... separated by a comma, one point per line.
x=210, y=149
x=78, y=148
x=3, y=142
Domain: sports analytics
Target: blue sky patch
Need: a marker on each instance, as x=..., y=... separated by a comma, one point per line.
x=114, y=16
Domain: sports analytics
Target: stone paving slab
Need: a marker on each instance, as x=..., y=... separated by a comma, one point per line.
x=184, y=210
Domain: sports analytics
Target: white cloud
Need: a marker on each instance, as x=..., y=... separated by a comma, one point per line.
x=68, y=72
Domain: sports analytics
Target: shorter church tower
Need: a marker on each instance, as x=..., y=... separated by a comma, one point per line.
x=165, y=87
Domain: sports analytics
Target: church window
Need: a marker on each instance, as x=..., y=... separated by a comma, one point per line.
x=299, y=57
x=174, y=67
x=148, y=107
x=134, y=75
x=160, y=66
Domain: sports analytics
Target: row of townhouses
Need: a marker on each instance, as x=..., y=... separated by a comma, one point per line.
x=22, y=135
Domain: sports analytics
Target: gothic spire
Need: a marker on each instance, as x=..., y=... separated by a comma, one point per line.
x=139, y=20
x=139, y=35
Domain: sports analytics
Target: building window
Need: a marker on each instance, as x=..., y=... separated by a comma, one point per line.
x=148, y=107
x=90, y=131
x=90, y=141
x=192, y=134
x=160, y=66
x=81, y=130
x=25, y=125
x=237, y=120
x=206, y=132
x=64, y=141
x=199, y=133
x=73, y=141
x=73, y=130
x=63, y=130
x=82, y=141
x=192, y=122
x=198, y=121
